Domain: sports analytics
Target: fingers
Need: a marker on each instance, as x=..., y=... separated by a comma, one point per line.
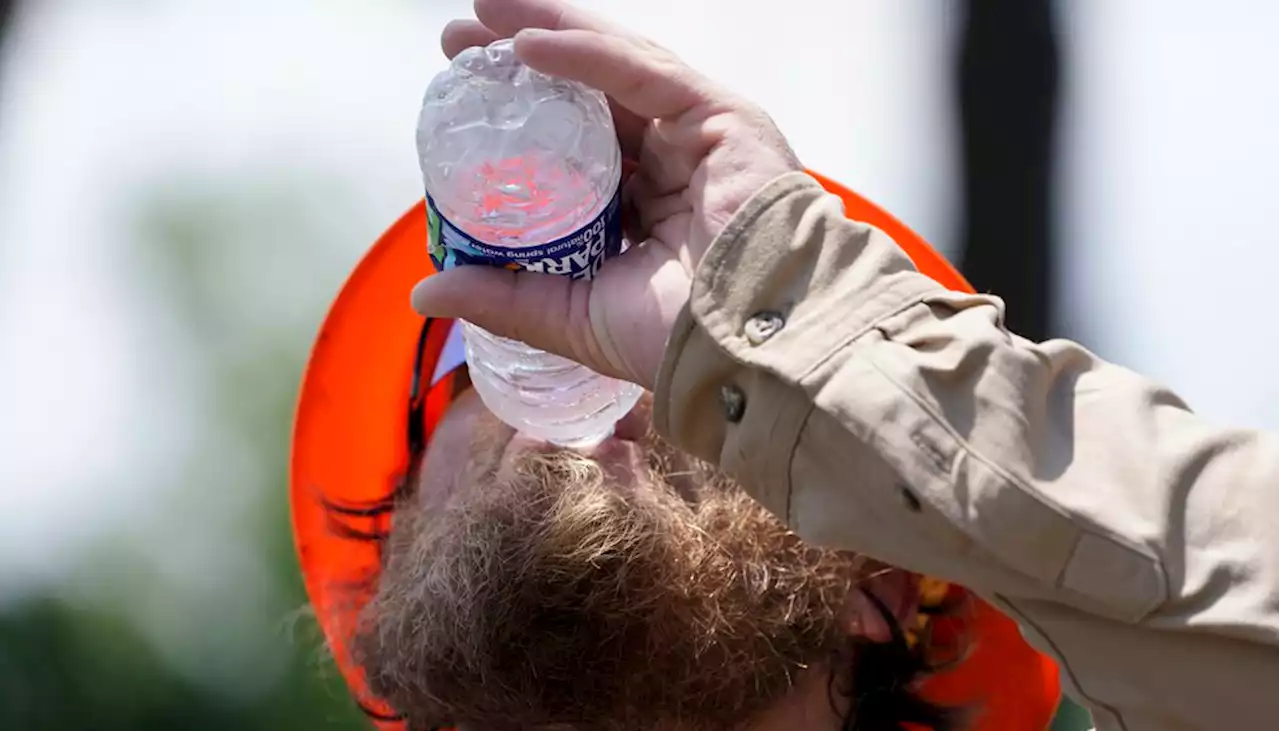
x=498, y=19
x=544, y=311
x=640, y=77
x=460, y=35
x=509, y=17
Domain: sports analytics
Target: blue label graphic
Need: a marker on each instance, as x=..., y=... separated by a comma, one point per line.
x=578, y=255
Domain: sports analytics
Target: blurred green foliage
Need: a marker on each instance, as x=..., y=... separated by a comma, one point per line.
x=69, y=667
x=205, y=258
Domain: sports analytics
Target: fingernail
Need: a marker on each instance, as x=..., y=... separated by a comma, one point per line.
x=530, y=34
x=416, y=297
x=533, y=33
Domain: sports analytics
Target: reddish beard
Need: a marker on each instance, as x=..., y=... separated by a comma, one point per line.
x=560, y=597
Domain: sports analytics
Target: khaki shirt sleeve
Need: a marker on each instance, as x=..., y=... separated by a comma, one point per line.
x=874, y=411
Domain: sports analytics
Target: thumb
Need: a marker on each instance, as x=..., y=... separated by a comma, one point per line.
x=543, y=311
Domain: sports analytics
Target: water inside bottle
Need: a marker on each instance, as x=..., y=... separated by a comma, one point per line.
x=515, y=159
x=520, y=201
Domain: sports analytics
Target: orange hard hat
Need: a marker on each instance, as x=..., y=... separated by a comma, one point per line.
x=367, y=406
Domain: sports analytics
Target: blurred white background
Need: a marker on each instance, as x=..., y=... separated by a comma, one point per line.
x=184, y=184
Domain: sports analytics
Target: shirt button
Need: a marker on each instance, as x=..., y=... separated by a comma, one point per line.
x=909, y=498
x=733, y=403
x=762, y=326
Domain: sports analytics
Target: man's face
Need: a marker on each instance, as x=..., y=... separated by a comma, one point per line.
x=624, y=588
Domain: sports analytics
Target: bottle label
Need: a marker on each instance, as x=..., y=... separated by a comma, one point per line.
x=578, y=255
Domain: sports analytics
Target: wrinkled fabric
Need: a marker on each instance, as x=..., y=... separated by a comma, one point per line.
x=875, y=411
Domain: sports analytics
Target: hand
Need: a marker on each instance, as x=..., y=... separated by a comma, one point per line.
x=699, y=152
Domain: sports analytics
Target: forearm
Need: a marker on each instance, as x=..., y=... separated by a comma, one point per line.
x=889, y=416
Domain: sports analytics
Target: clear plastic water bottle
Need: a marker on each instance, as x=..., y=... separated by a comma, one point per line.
x=522, y=170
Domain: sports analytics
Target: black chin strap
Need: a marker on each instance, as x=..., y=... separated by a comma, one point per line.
x=885, y=681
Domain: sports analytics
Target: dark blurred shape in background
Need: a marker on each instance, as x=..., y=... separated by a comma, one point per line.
x=1009, y=64
x=7, y=8
x=1008, y=98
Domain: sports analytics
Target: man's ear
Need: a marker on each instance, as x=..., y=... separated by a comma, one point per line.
x=896, y=590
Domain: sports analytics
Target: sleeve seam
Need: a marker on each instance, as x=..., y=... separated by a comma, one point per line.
x=792, y=450
x=1061, y=657
x=1084, y=525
